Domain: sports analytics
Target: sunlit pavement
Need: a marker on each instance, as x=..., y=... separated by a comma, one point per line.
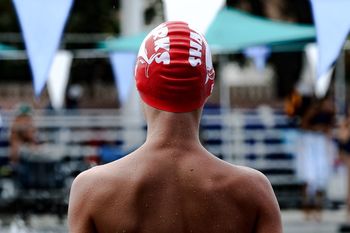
x=293, y=222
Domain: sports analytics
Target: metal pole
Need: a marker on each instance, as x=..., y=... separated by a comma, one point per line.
x=131, y=17
x=225, y=105
x=132, y=22
x=340, y=85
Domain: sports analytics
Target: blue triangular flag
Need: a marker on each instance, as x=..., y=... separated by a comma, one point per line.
x=123, y=65
x=332, y=21
x=42, y=24
x=259, y=54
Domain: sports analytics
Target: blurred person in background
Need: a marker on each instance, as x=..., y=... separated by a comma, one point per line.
x=316, y=155
x=22, y=133
x=343, y=140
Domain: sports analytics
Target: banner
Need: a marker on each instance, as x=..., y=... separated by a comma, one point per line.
x=123, y=65
x=259, y=55
x=42, y=24
x=323, y=81
x=58, y=78
x=198, y=13
x=311, y=83
x=332, y=20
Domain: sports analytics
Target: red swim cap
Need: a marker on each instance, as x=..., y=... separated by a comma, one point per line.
x=174, y=70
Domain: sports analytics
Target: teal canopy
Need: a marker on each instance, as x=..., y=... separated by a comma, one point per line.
x=124, y=43
x=233, y=30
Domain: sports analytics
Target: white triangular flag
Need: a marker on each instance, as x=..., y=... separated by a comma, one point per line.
x=197, y=13
x=58, y=78
x=42, y=24
x=323, y=82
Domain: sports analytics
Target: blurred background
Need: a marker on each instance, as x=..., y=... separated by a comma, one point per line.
x=269, y=109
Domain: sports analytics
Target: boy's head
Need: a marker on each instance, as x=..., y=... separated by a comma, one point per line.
x=174, y=70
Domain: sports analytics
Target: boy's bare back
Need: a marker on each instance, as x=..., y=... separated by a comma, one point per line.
x=173, y=190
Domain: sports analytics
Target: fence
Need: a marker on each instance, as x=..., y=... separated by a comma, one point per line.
x=261, y=138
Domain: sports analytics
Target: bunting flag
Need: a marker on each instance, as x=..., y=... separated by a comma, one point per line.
x=123, y=65
x=58, y=78
x=42, y=24
x=198, y=13
x=323, y=83
x=318, y=84
x=332, y=20
x=259, y=54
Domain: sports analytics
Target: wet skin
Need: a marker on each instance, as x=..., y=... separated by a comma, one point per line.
x=172, y=184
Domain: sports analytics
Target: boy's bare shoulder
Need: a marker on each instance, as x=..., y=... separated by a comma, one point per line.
x=253, y=175
x=97, y=175
x=85, y=182
x=251, y=181
x=95, y=186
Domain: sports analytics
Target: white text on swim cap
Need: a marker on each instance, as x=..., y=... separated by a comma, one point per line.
x=162, y=41
x=196, y=43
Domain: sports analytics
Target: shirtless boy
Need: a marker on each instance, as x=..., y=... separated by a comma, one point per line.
x=172, y=184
